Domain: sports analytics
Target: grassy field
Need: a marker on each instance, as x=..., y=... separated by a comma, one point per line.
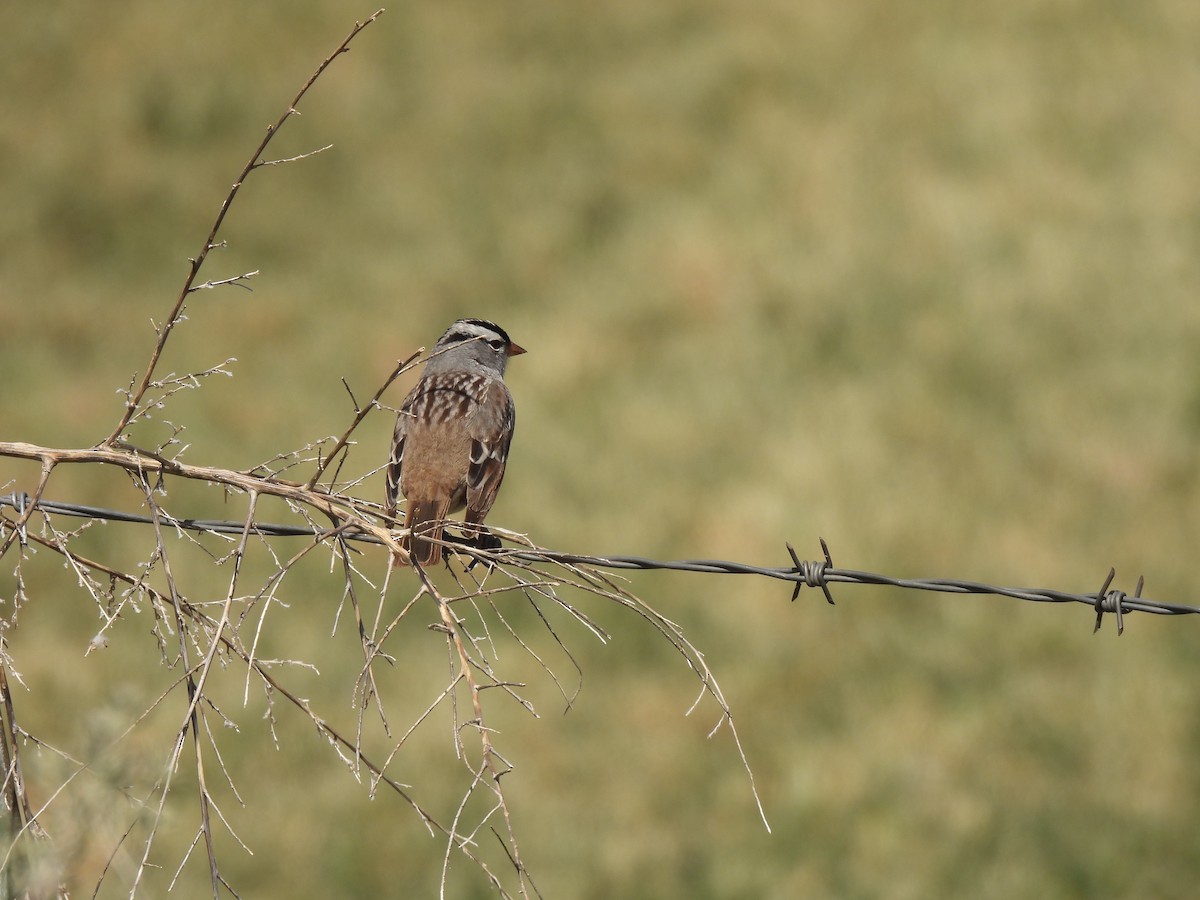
x=920, y=279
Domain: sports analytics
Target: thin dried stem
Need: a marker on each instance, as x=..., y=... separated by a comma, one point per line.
x=360, y=413
x=133, y=401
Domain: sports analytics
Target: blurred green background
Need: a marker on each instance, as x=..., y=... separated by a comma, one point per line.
x=917, y=278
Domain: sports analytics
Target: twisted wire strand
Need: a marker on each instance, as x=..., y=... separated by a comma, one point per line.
x=21, y=502
x=802, y=573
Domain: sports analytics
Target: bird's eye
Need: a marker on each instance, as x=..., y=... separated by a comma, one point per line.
x=497, y=344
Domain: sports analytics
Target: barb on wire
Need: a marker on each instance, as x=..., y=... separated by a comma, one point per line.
x=801, y=573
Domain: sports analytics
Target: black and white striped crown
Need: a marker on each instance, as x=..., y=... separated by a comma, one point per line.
x=473, y=329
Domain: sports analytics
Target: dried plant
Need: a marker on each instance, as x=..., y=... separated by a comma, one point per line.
x=213, y=644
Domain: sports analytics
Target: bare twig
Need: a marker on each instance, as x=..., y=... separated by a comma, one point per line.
x=360, y=413
x=239, y=280
x=134, y=399
x=292, y=159
x=469, y=666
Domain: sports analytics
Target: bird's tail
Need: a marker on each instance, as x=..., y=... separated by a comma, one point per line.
x=424, y=520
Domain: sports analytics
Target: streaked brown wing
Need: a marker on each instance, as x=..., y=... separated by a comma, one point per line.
x=491, y=427
x=391, y=496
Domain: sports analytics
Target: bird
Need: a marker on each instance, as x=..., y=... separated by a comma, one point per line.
x=453, y=431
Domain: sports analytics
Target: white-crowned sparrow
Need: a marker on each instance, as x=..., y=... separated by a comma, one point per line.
x=452, y=436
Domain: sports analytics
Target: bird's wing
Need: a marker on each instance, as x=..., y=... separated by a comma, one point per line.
x=491, y=427
x=391, y=496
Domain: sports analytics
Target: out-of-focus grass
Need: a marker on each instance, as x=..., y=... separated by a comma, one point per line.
x=920, y=280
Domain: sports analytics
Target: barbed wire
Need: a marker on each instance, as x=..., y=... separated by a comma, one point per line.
x=802, y=573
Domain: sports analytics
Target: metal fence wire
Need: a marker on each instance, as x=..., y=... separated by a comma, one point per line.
x=801, y=573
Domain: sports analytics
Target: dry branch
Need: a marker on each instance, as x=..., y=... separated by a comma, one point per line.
x=135, y=396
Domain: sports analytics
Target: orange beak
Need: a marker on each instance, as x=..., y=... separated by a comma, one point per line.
x=515, y=349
